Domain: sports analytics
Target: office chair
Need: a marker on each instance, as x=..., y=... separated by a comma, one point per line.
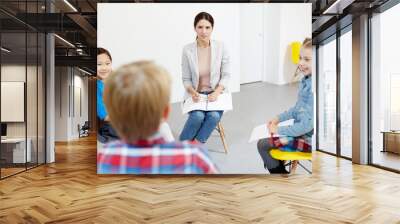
x=84, y=130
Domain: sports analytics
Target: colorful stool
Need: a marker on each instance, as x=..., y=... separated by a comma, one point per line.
x=291, y=156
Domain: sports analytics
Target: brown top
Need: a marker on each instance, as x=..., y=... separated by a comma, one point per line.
x=204, y=60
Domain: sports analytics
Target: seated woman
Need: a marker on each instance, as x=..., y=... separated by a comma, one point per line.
x=205, y=70
x=297, y=136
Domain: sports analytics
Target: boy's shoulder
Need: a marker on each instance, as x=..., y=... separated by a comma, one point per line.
x=161, y=145
x=182, y=144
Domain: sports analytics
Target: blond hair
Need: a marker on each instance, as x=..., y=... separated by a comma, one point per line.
x=307, y=43
x=136, y=96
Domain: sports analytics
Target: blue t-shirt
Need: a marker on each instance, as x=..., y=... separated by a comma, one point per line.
x=101, y=109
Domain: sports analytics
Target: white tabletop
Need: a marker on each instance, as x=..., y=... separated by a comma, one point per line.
x=13, y=140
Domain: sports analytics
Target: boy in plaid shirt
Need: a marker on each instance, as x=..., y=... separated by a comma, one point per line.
x=137, y=100
x=296, y=137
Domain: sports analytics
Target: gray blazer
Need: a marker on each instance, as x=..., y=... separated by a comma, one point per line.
x=219, y=72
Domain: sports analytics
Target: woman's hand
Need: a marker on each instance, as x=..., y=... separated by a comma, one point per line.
x=213, y=96
x=195, y=97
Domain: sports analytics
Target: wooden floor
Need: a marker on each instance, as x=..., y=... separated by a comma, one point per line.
x=70, y=191
x=10, y=171
x=387, y=159
x=5, y=172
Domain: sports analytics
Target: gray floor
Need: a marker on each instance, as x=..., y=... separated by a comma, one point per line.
x=255, y=104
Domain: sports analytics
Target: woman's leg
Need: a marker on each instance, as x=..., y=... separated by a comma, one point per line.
x=210, y=122
x=192, y=125
x=273, y=165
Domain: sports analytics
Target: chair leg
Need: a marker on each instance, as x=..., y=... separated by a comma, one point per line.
x=305, y=168
x=293, y=166
x=288, y=164
x=222, y=134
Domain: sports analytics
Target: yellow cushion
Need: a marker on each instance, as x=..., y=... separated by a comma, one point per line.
x=282, y=155
x=295, y=52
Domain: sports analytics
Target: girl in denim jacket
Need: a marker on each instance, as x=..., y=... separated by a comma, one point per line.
x=296, y=137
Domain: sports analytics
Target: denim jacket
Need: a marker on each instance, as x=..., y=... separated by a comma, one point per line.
x=302, y=112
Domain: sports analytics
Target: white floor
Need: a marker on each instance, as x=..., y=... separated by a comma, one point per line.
x=255, y=104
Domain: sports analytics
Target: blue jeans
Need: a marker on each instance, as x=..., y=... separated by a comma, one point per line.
x=200, y=125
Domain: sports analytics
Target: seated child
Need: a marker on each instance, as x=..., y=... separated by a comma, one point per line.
x=137, y=98
x=297, y=137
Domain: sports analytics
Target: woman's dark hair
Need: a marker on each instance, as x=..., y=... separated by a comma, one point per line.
x=101, y=50
x=204, y=15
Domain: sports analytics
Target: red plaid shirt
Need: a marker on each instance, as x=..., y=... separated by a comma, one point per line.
x=154, y=156
x=287, y=143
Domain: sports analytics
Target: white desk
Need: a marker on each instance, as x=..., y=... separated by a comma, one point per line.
x=18, y=150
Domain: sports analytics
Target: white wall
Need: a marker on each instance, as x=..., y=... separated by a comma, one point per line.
x=61, y=103
x=68, y=83
x=80, y=100
x=15, y=73
x=293, y=28
x=272, y=31
x=85, y=99
x=158, y=32
x=33, y=125
x=267, y=30
x=283, y=24
x=251, y=42
x=12, y=100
